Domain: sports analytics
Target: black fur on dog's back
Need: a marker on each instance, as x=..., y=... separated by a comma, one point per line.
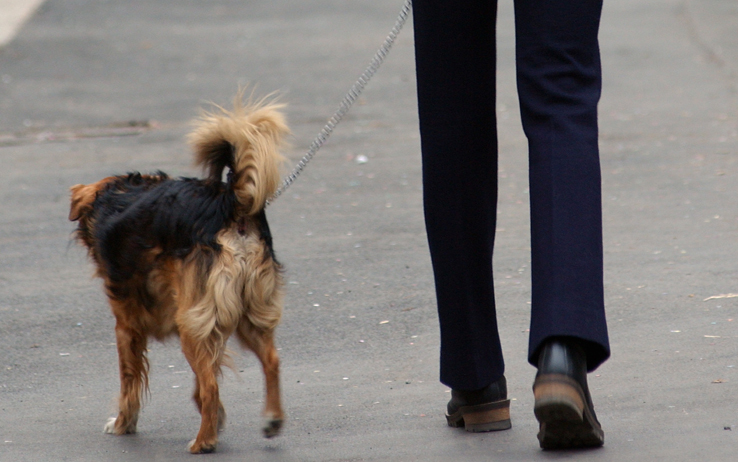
x=137, y=213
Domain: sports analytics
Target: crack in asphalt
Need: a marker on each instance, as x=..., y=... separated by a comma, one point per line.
x=113, y=130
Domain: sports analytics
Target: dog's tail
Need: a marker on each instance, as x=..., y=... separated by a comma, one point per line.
x=247, y=141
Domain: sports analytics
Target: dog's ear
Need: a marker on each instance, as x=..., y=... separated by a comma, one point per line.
x=82, y=198
x=83, y=195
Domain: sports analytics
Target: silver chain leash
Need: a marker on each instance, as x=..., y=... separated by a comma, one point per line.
x=347, y=100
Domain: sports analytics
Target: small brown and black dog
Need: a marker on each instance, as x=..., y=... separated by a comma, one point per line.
x=193, y=257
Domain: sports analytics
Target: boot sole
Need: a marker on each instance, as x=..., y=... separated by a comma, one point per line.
x=487, y=417
x=566, y=421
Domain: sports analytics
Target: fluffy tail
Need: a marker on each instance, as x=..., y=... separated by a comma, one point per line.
x=247, y=141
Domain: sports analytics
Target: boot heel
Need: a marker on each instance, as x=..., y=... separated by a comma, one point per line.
x=566, y=421
x=558, y=397
x=485, y=417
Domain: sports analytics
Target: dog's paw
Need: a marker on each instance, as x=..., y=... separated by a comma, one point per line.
x=272, y=426
x=109, y=426
x=112, y=428
x=200, y=448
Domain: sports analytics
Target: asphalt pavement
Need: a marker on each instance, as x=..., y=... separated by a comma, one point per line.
x=90, y=88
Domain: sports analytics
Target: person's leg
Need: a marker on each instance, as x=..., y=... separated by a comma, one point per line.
x=455, y=59
x=559, y=83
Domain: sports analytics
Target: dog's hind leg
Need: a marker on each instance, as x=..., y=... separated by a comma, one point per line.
x=133, y=376
x=205, y=362
x=221, y=409
x=262, y=344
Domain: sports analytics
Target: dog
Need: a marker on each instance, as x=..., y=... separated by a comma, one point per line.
x=193, y=258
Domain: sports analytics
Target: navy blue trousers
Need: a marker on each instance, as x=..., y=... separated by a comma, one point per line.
x=559, y=83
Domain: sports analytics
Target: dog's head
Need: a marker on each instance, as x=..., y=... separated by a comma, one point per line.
x=83, y=196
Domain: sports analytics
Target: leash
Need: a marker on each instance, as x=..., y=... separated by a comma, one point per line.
x=347, y=101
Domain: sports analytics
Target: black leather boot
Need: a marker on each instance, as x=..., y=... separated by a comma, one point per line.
x=563, y=404
x=484, y=410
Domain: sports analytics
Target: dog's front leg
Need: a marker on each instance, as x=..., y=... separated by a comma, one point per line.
x=133, y=377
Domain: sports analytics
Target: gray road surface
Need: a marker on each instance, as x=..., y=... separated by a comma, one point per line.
x=89, y=88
